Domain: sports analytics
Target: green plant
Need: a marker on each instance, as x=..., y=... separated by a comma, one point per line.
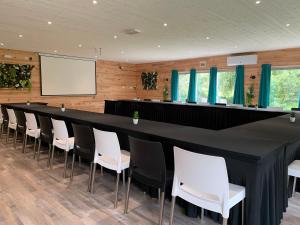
x=293, y=114
x=250, y=94
x=62, y=105
x=135, y=115
x=165, y=92
x=15, y=76
x=149, y=80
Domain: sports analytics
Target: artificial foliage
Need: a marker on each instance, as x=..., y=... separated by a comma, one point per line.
x=149, y=80
x=15, y=76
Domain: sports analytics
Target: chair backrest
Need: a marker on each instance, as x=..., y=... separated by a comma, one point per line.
x=60, y=130
x=147, y=159
x=46, y=128
x=203, y=174
x=223, y=100
x=21, y=120
x=31, y=122
x=4, y=113
x=84, y=143
x=107, y=145
x=11, y=116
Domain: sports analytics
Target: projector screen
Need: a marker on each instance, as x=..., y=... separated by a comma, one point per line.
x=67, y=76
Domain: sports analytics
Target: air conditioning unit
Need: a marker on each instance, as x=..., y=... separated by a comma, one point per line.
x=242, y=60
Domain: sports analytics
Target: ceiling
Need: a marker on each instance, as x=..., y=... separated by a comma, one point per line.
x=232, y=26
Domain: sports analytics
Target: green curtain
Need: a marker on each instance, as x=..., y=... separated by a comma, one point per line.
x=238, y=97
x=299, y=101
x=174, y=85
x=192, y=94
x=264, y=90
x=212, y=91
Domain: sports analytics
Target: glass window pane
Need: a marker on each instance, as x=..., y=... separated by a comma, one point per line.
x=184, y=80
x=202, y=86
x=225, y=87
x=285, y=87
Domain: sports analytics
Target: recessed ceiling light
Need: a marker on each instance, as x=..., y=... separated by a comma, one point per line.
x=158, y=46
x=235, y=46
x=20, y=35
x=55, y=51
x=287, y=25
x=257, y=2
x=49, y=22
x=122, y=52
x=115, y=36
x=95, y=2
x=80, y=45
x=165, y=24
x=207, y=38
x=2, y=44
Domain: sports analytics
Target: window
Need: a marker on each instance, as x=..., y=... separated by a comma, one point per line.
x=184, y=80
x=285, y=88
x=225, y=87
x=202, y=86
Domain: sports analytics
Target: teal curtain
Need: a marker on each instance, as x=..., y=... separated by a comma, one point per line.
x=212, y=91
x=238, y=97
x=174, y=85
x=192, y=94
x=264, y=89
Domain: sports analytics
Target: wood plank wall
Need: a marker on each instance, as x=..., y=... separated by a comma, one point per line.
x=122, y=80
x=286, y=57
x=114, y=81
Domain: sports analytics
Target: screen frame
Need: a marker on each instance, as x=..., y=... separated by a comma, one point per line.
x=66, y=57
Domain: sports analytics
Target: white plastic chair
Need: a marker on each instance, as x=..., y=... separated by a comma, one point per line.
x=32, y=130
x=237, y=105
x=61, y=140
x=274, y=108
x=12, y=123
x=203, y=181
x=294, y=171
x=109, y=155
x=223, y=101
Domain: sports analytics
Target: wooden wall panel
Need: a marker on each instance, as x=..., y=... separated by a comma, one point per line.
x=278, y=58
x=114, y=81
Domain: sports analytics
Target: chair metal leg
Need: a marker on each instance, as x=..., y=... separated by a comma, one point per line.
x=127, y=195
x=79, y=161
x=25, y=143
x=294, y=186
x=158, y=194
x=72, y=168
x=90, y=177
x=7, y=135
x=49, y=155
x=38, y=150
x=101, y=170
x=93, y=177
x=162, y=206
x=34, y=147
x=15, y=138
x=52, y=157
x=66, y=164
x=1, y=131
x=117, y=191
x=202, y=214
x=243, y=211
x=172, y=210
x=225, y=221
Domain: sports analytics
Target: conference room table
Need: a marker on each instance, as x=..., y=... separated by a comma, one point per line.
x=257, y=154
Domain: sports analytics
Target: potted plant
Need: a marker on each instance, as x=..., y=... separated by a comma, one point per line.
x=135, y=118
x=292, y=117
x=250, y=95
x=63, y=107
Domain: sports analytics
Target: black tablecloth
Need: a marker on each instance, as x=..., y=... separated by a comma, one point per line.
x=214, y=117
x=256, y=154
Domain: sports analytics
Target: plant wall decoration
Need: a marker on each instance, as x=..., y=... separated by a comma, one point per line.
x=15, y=76
x=149, y=80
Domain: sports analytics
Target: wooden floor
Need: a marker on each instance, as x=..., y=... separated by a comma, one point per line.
x=31, y=194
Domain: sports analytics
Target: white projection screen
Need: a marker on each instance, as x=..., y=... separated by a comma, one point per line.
x=62, y=75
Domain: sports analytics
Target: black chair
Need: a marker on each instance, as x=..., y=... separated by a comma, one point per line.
x=147, y=165
x=5, y=120
x=84, y=147
x=46, y=135
x=21, y=127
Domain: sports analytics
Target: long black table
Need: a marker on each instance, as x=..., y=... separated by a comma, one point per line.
x=256, y=154
x=214, y=117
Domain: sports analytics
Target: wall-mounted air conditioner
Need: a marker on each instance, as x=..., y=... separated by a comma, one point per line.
x=241, y=60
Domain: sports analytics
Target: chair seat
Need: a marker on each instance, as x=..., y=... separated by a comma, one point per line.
x=33, y=133
x=112, y=164
x=294, y=169
x=66, y=145
x=12, y=126
x=236, y=194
